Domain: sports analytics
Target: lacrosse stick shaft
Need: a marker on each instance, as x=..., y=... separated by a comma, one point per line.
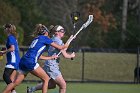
x=69, y=41
x=83, y=26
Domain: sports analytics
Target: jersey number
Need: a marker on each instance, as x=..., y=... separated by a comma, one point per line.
x=33, y=43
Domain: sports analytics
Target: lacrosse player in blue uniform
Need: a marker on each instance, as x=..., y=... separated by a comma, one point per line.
x=51, y=67
x=12, y=55
x=28, y=62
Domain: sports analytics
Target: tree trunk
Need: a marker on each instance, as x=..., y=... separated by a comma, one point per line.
x=139, y=12
x=124, y=20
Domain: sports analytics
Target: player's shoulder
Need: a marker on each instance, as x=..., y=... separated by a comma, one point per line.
x=11, y=37
x=57, y=40
x=43, y=37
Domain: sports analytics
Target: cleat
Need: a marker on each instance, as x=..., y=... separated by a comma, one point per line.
x=29, y=90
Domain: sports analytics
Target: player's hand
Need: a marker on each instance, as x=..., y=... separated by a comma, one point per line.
x=66, y=46
x=70, y=39
x=54, y=57
x=1, y=53
x=72, y=54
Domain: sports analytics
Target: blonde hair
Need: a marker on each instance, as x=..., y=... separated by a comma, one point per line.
x=11, y=28
x=40, y=29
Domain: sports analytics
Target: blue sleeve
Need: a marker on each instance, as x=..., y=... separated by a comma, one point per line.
x=11, y=40
x=48, y=41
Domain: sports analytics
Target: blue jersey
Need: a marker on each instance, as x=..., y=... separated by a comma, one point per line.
x=37, y=47
x=13, y=57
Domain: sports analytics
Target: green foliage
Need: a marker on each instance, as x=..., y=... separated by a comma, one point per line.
x=2, y=35
x=20, y=32
x=133, y=36
x=9, y=13
x=30, y=15
x=104, y=32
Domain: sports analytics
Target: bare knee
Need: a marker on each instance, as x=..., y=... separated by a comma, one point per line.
x=45, y=79
x=17, y=82
x=63, y=86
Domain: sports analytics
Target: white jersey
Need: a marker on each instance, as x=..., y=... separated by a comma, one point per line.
x=51, y=67
x=54, y=51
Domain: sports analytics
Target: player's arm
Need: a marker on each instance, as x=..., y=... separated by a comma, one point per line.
x=65, y=46
x=59, y=46
x=48, y=57
x=67, y=55
x=12, y=48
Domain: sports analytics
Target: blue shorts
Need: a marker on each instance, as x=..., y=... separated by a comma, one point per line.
x=26, y=65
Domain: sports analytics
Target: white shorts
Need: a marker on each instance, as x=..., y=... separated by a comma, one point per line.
x=52, y=70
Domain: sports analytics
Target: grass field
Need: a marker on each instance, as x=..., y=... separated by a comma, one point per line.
x=85, y=88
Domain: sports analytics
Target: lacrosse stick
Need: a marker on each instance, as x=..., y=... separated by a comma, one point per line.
x=90, y=19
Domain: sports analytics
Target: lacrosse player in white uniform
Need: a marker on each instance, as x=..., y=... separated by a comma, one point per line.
x=51, y=67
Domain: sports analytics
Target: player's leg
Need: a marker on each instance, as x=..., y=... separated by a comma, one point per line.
x=16, y=82
x=9, y=76
x=51, y=84
x=34, y=88
x=61, y=83
x=12, y=77
x=6, y=75
x=39, y=72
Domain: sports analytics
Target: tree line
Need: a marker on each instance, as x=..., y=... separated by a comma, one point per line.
x=104, y=32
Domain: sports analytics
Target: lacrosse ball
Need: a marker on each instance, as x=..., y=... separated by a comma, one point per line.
x=75, y=18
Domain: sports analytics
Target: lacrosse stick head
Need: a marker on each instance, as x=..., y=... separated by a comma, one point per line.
x=90, y=19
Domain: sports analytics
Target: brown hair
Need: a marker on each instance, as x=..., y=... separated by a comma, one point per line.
x=54, y=29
